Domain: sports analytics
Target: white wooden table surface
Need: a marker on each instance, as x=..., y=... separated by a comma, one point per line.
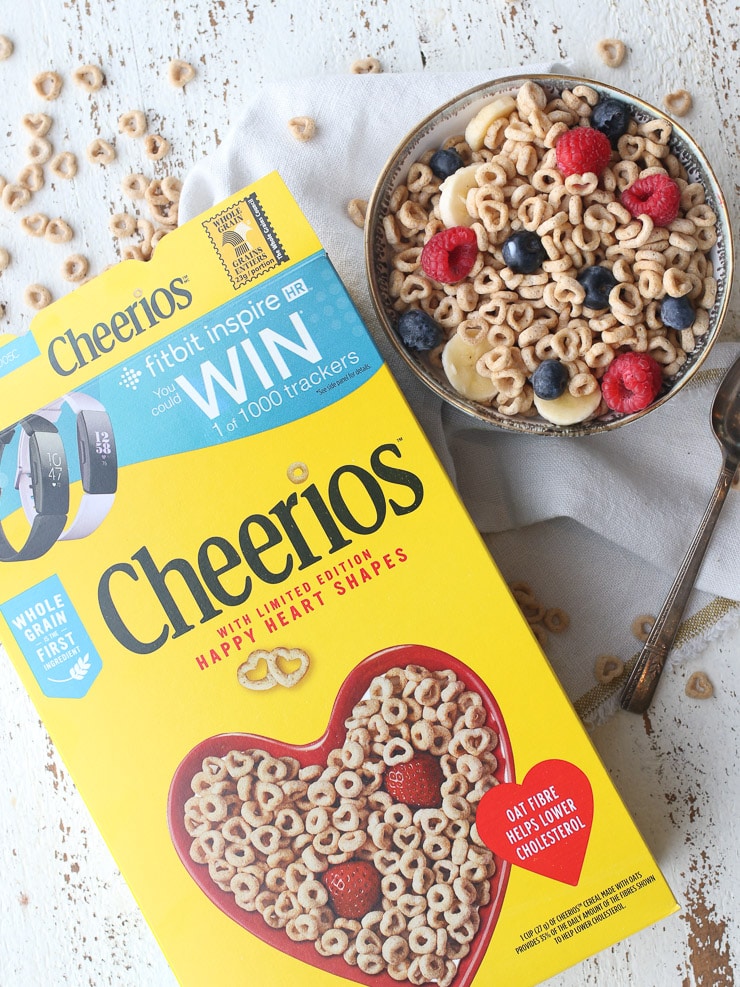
x=66, y=915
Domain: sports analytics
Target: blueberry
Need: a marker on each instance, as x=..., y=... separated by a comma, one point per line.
x=549, y=380
x=523, y=252
x=612, y=118
x=445, y=162
x=598, y=282
x=677, y=313
x=418, y=331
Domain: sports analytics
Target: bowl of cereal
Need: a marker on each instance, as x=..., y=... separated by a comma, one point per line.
x=550, y=255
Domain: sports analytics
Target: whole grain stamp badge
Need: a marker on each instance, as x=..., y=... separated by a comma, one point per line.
x=245, y=241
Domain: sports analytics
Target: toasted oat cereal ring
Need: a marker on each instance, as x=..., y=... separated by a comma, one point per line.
x=171, y=187
x=556, y=620
x=89, y=77
x=6, y=47
x=365, y=66
x=180, y=73
x=15, y=196
x=37, y=296
x=302, y=128
x=699, y=686
x=252, y=664
x=297, y=472
x=278, y=658
x=678, y=102
x=48, y=85
x=135, y=185
x=100, y=151
x=122, y=224
x=155, y=194
x=356, y=210
x=58, y=231
x=31, y=177
x=39, y=150
x=132, y=123
x=4, y=258
x=608, y=668
x=156, y=146
x=642, y=625
x=612, y=52
x=75, y=268
x=35, y=224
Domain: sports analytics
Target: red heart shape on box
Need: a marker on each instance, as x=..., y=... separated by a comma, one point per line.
x=354, y=687
x=543, y=824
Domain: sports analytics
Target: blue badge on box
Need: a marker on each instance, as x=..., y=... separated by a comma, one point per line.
x=54, y=642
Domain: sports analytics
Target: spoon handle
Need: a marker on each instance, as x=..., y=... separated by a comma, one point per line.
x=640, y=686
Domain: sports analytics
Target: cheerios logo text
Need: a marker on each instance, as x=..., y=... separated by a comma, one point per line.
x=75, y=349
x=146, y=601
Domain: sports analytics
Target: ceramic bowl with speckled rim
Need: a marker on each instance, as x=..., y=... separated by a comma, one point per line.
x=447, y=124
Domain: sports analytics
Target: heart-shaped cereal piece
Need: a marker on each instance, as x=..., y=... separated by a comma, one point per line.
x=699, y=686
x=679, y=102
x=255, y=673
x=287, y=665
x=238, y=800
x=39, y=124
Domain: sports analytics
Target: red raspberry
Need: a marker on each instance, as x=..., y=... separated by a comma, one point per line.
x=656, y=196
x=581, y=150
x=631, y=382
x=450, y=254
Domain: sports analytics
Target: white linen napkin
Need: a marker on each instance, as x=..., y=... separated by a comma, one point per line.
x=596, y=526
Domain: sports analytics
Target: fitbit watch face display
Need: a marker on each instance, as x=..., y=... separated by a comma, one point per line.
x=42, y=480
x=96, y=446
x=42, y=475
x=47, y=467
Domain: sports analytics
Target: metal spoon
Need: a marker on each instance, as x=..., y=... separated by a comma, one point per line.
x=643, y=680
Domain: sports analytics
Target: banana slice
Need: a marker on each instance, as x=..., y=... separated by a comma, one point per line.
x=458, y=360
x=567, y=409
x=475, y=132
x=452, y=195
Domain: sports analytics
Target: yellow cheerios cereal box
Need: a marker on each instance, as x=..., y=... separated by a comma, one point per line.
x=257, y=623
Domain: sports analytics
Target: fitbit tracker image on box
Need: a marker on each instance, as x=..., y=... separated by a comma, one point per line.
x=96, y=449
x=42, y=476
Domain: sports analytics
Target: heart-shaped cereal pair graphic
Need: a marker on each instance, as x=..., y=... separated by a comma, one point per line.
x=276, y=834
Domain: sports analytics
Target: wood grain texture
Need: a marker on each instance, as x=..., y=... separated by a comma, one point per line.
x=68, y=919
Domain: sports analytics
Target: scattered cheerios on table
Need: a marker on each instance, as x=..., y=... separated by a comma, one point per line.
x=100, y=151
x=132, y=123
x=39, y=124
x=612, y=52
x=156, y=146
x=89, y=77
x=679, y=102
x=75, y=267
x=699, y=686
x=37, y=296
x=64, y=165
x=180, y=73
x=48, y=85
x=58, y=231
x=35, y=224
x=366, y=66
x=15, y=196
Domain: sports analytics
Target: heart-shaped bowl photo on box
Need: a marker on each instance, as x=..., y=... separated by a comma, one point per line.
x=549, y=254
x=327, y=851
